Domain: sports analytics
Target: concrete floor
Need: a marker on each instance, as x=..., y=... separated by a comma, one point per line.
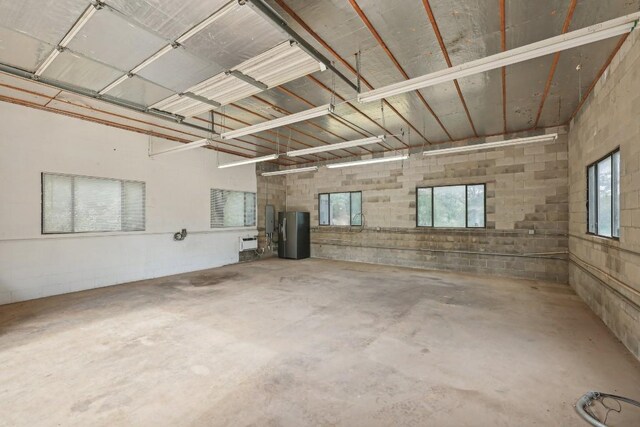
x=309, y=342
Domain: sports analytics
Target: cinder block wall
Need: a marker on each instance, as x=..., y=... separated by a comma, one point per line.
x=527, y=189
x=606, y=272
x=271, y=191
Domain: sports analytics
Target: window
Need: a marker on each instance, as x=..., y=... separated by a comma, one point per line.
x=340, y=208
x=232, y=209
x=603, y=196
x=82, y=204
x=453, y=206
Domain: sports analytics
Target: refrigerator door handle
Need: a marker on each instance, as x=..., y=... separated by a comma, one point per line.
x=284, y=229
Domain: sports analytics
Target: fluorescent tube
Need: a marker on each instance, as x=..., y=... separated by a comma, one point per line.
x=249, y=161
x=168, y=102
x=155, y=56
x=84, y=18
x=139, y=67
x=488, y=145
x=114, y=84
x=201, y=99
x=194, y=110
x=368, y=161
x=182, y=147
x=276, y=66
x=53, y=55
x=604, y=30
x=232, y=5
x=247, y=79
x=282, y=121
x=290, y=171
x=339, y=146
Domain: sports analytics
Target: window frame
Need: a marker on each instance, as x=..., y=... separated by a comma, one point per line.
x=466, y=206
x=595, y=166
x=73, y=204
x=351, y=224
x=244, y=210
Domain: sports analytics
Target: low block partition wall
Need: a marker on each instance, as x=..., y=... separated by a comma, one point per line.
x=526, y=211
x=34, y=265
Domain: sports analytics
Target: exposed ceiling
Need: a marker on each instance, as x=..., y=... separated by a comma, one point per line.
x=397, y=40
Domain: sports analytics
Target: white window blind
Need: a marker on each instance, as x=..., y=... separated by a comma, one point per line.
x=232, y=209
x=82, y=204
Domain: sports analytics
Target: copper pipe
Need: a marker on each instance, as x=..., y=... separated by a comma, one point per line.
x=107, y=122
x=50, y=99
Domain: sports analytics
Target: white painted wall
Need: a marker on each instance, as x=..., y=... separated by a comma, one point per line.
x=178, y=186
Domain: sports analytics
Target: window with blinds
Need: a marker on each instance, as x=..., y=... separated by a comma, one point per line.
x=83, y=204
x=232, y=209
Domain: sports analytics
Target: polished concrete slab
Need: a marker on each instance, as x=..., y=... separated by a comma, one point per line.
x=310, y=342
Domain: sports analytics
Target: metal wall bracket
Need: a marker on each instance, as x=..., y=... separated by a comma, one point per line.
x=201, y=99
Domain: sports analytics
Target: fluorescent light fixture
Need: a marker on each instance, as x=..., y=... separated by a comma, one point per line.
x=368, y=161
x=232, y=5
x=281, y=64
x=248, y=79
x=84, y=18
x=594, y=33
x=53, y=55
x=114, y=84
x=339, y=146
x=224, y=89
x=169, y=102
x=249, y=161
x=282, y=121
x=201, y=99
x=196, y=109
x=152, y=58
x=488, y=145
x=182, y=147
x=290, y=171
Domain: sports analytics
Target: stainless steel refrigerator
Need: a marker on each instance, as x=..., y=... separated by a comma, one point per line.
x=294, y=240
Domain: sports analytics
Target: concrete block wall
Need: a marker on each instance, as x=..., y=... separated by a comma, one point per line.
x=271, y=191
x=527, y=192
x=606, y=272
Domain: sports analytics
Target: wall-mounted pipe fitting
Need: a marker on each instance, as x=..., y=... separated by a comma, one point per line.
x=180, y=235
